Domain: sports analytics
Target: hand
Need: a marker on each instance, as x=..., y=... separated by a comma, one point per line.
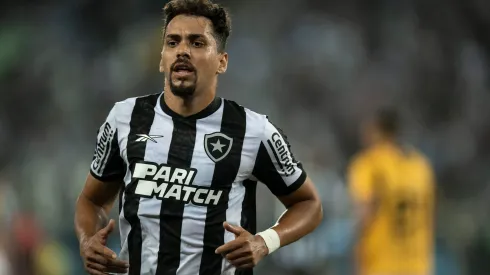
x=245, y=251
x=97, y=258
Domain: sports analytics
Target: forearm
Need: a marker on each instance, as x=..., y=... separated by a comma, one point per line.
x=89, y=218
x=298, y=220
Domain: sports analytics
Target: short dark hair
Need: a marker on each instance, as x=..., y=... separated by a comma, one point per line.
x=388, y=121
x=216, y=13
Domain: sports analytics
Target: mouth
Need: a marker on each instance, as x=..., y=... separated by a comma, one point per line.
x=183, y=70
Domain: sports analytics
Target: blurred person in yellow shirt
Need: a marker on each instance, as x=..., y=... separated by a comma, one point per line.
x=392, y=186
x=52, y=258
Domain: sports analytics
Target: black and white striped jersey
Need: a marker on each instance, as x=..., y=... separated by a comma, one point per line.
x=184, y=176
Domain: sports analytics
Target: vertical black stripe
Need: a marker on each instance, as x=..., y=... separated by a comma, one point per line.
x=171, y=213
x=233, y=124
x=249, y=207
x=266, y=172
x=249, y=214
x=141, y=121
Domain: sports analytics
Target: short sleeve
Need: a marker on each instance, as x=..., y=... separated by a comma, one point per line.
x=275, y=165
x=107, y=164
x=360, y=181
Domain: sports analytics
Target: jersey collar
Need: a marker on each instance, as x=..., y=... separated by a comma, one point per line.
x=210, y=109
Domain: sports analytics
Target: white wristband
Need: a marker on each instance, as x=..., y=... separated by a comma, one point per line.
x=271, y=239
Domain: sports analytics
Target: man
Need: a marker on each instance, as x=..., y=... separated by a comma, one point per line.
x=393, y=189
x=186, y=163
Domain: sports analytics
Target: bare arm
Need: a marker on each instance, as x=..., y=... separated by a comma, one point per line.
x=303, y=213
x=96, y=200
x=93, y=206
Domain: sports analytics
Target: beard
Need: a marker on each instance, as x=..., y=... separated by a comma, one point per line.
x=182, y=90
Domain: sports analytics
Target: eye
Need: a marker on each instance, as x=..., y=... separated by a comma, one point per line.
x=171, y=43
x=197, y=44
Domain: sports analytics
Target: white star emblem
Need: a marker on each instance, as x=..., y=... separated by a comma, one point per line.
x=218, y=146
x=222, y=144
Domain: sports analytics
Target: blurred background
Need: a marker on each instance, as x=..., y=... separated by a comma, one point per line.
x=315, y=67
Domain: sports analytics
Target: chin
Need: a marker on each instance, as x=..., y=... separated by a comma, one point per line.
x=183, y=90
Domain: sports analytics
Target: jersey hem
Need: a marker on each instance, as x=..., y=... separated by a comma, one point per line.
x=296, y=185
x=105, y=178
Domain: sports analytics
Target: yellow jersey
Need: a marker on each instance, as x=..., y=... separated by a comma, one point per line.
x=399, y=182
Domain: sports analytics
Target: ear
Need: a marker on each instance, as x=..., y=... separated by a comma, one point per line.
x=223, y=63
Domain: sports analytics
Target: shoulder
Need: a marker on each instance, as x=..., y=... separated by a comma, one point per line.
x=423, y=168
x=422, y=159
x=256, y=122
x=122, y=111
x=126, y=106
x=358, y=159
x=415, y=154
x=248, y=113
x=364, y=161
x=364, y=156
x=131, y=101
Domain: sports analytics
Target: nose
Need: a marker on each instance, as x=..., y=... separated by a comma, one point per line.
x=183, y=55
x=183, y=51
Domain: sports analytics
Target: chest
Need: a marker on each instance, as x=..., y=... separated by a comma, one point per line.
x=202, y=153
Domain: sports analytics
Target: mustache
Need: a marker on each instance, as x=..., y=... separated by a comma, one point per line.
x=183, y=63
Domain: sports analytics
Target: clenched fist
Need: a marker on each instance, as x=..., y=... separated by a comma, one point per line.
x=245, y=251
x=97, y=258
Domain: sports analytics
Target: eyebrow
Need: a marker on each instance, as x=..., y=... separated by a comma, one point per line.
x=192, y=36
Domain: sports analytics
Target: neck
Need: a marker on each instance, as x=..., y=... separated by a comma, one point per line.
x=188, y=106
x=387, y=140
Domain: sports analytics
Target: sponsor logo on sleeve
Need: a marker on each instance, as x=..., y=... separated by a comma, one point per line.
x=282, y=154
x=103, y=147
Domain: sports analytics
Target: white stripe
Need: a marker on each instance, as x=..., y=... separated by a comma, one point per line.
x=149, y=208
x=237, y=192
x=194, y=217
x=233, y=216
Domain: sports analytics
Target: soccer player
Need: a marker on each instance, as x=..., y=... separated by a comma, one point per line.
x=392, y=186
x=185, y=164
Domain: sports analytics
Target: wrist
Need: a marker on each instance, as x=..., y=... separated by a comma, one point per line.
x=271, y=240
x=84, y=238
x=264, y=251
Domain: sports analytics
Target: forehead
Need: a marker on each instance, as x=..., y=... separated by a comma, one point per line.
x=190, y=24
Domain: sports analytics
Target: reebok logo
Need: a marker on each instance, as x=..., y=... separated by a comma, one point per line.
x=281, y=153
x=144, y=137
x=165, y=182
